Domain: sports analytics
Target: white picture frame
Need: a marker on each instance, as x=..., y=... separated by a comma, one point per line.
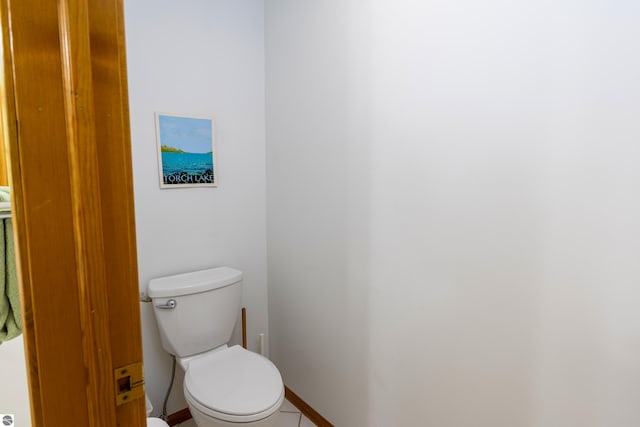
x=186, y=151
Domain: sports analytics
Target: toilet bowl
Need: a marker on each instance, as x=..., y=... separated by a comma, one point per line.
x=153, y=422
x=156, y=422
x=232, y=385
x=223, y=386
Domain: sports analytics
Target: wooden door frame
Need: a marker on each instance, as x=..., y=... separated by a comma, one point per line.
x=66, y=127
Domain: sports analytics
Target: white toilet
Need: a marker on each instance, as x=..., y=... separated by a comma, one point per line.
x=153, y=422
x=223, y=386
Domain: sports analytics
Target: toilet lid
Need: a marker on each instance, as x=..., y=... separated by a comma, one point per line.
x=234, y=381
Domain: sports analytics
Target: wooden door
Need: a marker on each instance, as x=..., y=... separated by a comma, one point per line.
x=66, y=126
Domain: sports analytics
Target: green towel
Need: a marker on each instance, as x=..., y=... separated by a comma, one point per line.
x=10, y=320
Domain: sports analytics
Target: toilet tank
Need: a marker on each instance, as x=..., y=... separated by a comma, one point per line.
x=204, y=310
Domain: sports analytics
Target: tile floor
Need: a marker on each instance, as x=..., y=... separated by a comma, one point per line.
x=290, y=416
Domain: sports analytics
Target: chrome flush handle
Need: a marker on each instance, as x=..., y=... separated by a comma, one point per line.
x=169, y=305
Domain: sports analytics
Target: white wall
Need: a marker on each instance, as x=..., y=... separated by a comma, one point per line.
x=200, y=57
x=14, y=395
x=453, y=210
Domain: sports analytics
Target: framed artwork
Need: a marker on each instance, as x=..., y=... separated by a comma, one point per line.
x=186, y=151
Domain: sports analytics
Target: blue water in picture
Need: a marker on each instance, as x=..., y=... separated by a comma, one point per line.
x=198, y=168
x=191, y=163
x=186, y=144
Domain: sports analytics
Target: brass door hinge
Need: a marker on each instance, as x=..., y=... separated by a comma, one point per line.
x=129, y=383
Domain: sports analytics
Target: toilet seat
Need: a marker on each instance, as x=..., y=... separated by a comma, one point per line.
x=234, y=385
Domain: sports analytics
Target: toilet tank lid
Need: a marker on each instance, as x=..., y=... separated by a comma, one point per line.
x=193, y=282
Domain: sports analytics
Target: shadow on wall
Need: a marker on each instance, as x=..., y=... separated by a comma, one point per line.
x=319, y=172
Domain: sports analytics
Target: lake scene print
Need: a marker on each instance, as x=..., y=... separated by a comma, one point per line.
x=186, y=151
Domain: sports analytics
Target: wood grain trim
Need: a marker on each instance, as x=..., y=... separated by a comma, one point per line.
x=41, y=203
x=179, y=417
x=10, y=145
x=113, y=143
x=244, y=328
x=86, y=207
x=60, y=205
x=306, y=409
